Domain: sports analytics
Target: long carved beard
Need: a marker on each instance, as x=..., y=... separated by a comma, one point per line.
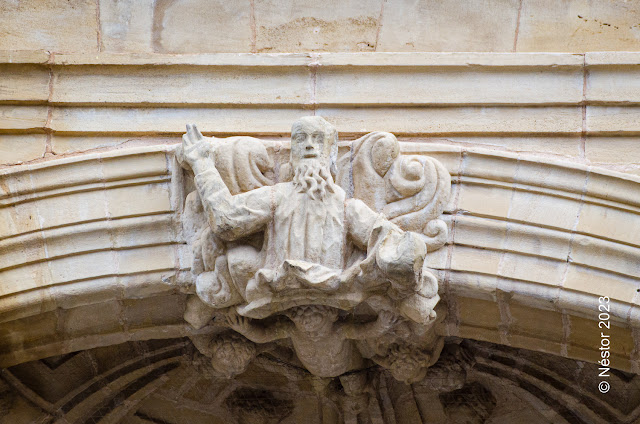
x=313, y=178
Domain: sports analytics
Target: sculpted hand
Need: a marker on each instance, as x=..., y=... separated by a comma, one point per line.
x=194, y=147
x=238, y=322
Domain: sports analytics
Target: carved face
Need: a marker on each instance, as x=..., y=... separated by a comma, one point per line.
x=407, y=364
x=408, y=370
x=313, y=139
x=313, y=318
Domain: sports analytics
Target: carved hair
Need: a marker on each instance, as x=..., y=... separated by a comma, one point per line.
x=232, y=353
x=314, y=179
x=306, y=314
x=408, y=363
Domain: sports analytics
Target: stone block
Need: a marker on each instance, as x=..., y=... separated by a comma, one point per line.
x=65, y=177
x=28, y=331
x=478, y=313
x=483, y=334
x=16, y=148
x=618, y=150
x=469, y=284
x=599, y=283
x=613, y=84
x=531, y=342
x=23, y=278
x=611, y=186
x=606, y=255
x=578, y=26
x=116, y=168
x=150, y=198
x=83, y=266
x=456, y=120
x=146, y=259
x=480, y=232
x=299, y=26
x=126, y=25
x=484, y=200
x=542, y=209
x=53, y=25
x=147, y=284
x=475, y=260
x=555, y=145
x=22, y=118
x=537, y=241
x=19, y=250
x=614, y=120
x=61, y=144
x=489, y=166
x=448, y=26
x=536, y=323
x=144, y=230
x=28, y=83
x=176, y=85
x=195, y=26
x=78, y=238
x=93, y=319
x=14, y=184
x=71, y=208
x=156, y=121
x=437, y=259
x=532, y=268
x=448, y=85
x=82, y=293
x=154, y=311
x=448, y=155
x=555, y=175
x=605, y=222
x=585, y=333
x=18, y=219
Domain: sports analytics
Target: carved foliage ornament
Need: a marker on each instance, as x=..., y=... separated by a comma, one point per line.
x=309, y=258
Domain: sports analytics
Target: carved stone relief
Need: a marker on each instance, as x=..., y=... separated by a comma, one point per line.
x=329, y=261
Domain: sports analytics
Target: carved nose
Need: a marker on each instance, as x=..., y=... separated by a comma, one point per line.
x=309, y=147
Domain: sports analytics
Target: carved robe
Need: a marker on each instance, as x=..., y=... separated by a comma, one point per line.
x=306, y=241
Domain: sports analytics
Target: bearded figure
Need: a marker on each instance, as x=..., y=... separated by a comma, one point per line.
x=262, y=248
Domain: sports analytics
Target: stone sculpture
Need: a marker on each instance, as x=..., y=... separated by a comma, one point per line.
x=292, y=260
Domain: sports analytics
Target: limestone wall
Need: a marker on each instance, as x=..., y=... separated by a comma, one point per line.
x=267, y=26
x=542, y=147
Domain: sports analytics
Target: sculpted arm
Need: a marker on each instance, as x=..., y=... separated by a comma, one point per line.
x=258, y=333
x=370, y=330
x=229, y=216
x=361, y=221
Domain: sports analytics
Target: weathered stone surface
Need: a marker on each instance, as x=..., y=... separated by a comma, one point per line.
x=619, y=150
x=300, y=26
x=49, y=25
x=220, y=85
x=448, y=26
x=578, y=26
x=194, y=26
x=22, y=148
x=447, y=85
x=27, y=83
x=126, y=25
